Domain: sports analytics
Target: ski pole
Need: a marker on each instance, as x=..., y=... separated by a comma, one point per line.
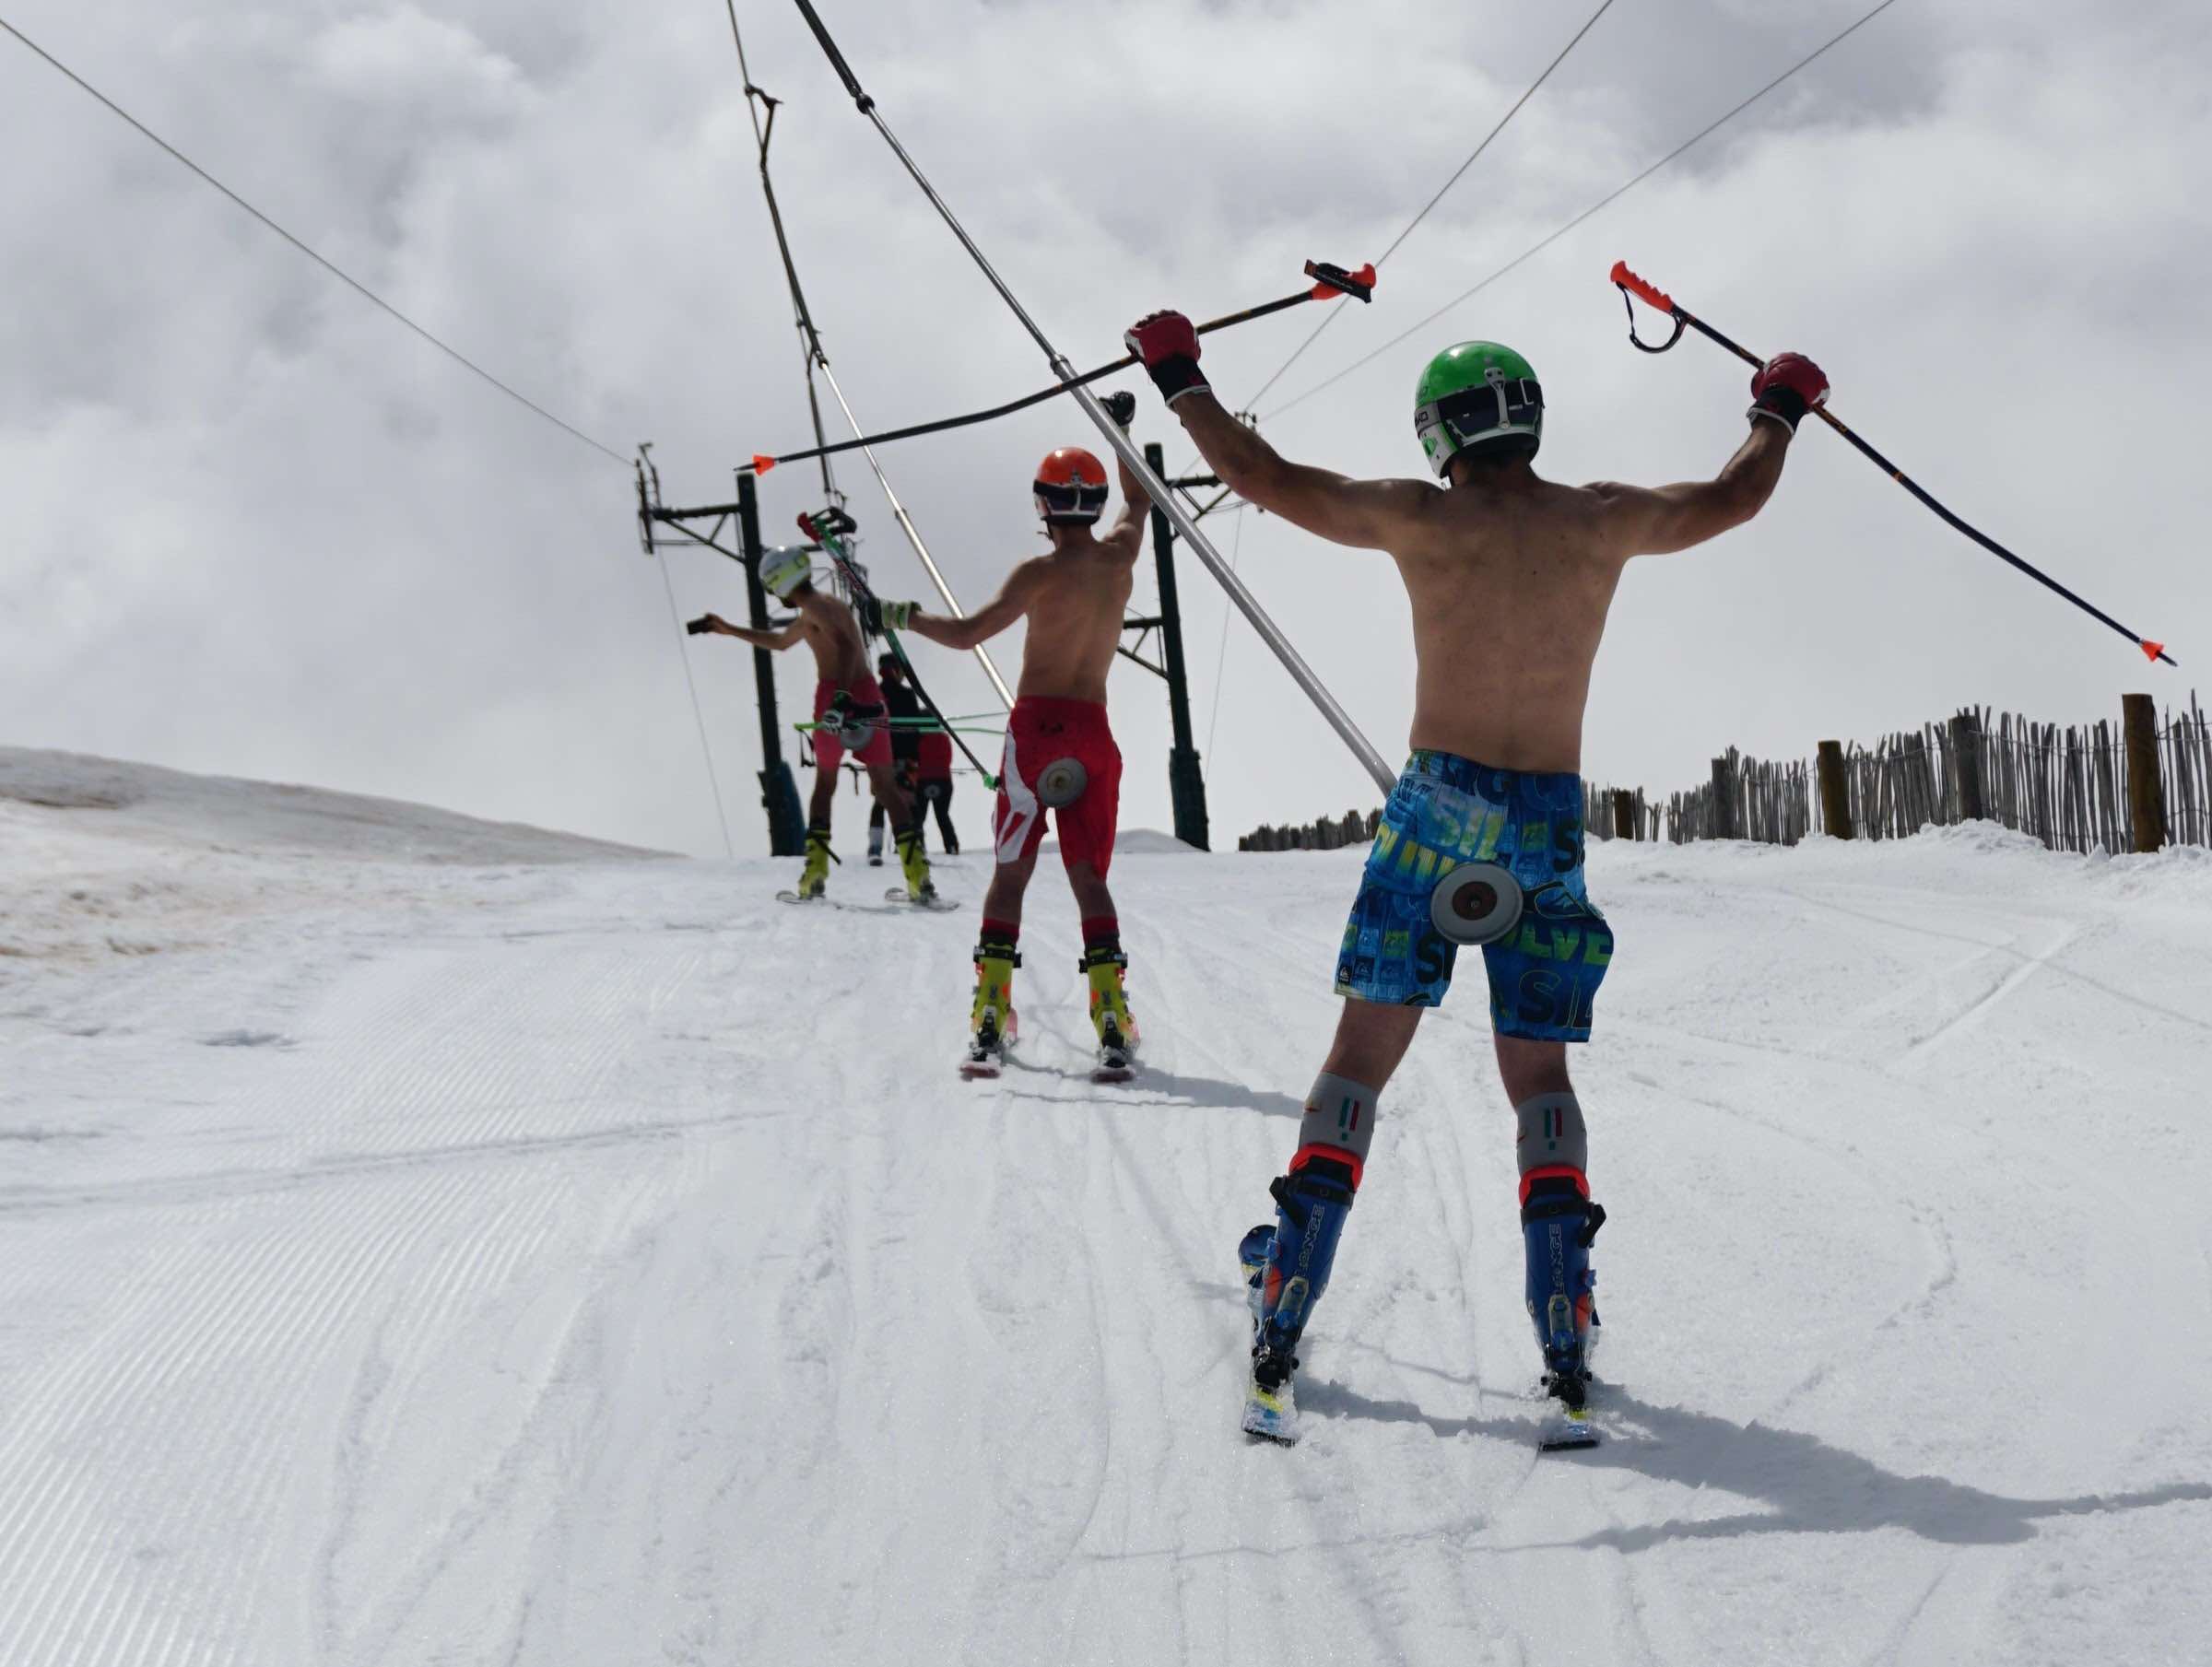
x=829, y=528
x=1331, y=282
x=1162, y=499
x=1653, y=296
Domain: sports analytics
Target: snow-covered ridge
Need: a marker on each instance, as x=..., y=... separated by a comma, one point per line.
x=102, y=857
x=225, y=812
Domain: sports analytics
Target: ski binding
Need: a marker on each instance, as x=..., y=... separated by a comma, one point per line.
x=928, y=899
x=1569, y=1428
x=987, y=1051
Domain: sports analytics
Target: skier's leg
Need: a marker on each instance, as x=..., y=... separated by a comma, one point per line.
x=1104, y=965
x=1086, y=825
x=1558, y=1220
x=1544, y=982
x=1009, y=883
x=1016, y=836
x=828, y=754
x=905, y=771
x=940, y=798
x=1372, y=1038
x=876, y=834
x=905, y=815
x=814, y=877
x=991, y=1021
x=1315, y=1196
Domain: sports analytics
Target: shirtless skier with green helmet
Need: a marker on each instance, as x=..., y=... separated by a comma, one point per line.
x=1510, y=577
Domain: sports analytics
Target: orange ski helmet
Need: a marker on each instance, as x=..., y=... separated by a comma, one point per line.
x=1071, y=488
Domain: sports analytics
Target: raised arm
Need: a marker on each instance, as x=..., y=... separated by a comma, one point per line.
x=1127, y=533
x=1659, y=520
x=715, y=625
x=1365, y=514
x=1011, y=603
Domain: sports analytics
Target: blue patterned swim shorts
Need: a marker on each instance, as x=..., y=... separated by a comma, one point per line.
x=1447, y=810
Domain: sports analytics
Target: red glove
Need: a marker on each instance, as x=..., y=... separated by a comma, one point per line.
x=1169, y=347
x=1786, y=387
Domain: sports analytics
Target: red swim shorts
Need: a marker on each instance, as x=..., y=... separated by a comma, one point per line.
x=1042, y=731
x=828, y=751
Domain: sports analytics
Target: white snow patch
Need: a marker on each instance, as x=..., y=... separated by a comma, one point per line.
x=464, y=1244
x=1138, y=841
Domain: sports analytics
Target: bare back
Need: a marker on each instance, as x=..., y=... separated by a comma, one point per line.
x=1076, y=599
x=1510, y=592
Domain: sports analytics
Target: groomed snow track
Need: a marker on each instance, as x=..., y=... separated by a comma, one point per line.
x=521, y=1252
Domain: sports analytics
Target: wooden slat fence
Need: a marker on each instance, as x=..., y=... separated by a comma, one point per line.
x=2066, y=787
x=1329, y=834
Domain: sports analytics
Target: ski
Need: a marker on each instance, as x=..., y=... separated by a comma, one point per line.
x=1568, y=1432
x=928, y=899
x=1271, y=1414
x=1114, y=1065
x=819, y=900
x=982, y=1063
x=1568, y=1428
x=1251, y=1256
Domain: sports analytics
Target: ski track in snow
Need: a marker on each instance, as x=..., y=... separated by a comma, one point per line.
x=427, y=1243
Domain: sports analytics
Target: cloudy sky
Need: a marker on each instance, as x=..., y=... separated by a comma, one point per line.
x=256, y=528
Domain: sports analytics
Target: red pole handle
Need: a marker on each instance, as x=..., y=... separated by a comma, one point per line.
x=1651, y=294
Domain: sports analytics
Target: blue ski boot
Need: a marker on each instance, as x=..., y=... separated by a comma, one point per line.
x=1559, y=1223
x=1311, y=1202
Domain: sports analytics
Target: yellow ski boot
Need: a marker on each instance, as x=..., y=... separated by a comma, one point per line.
x=990, y=1023
x=914, y=861
x=814, y=879
x=1104, y=965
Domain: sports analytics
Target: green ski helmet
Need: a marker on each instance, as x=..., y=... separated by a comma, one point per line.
x=1476, y=394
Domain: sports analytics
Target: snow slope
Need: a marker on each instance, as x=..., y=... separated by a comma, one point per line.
x=429, y=1242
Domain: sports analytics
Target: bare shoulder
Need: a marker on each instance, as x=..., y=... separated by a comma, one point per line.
x=1402, y=516
x=1030, y=577
x=1622, y=514
x=1612, y=497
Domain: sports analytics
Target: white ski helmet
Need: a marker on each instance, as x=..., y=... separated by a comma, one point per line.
x=784, y=568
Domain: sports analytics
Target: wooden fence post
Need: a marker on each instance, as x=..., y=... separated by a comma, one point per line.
x=2146, y=792
x=1835, y=795
x=1724, y=799
x=1624, y=814
x=1965, y=754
